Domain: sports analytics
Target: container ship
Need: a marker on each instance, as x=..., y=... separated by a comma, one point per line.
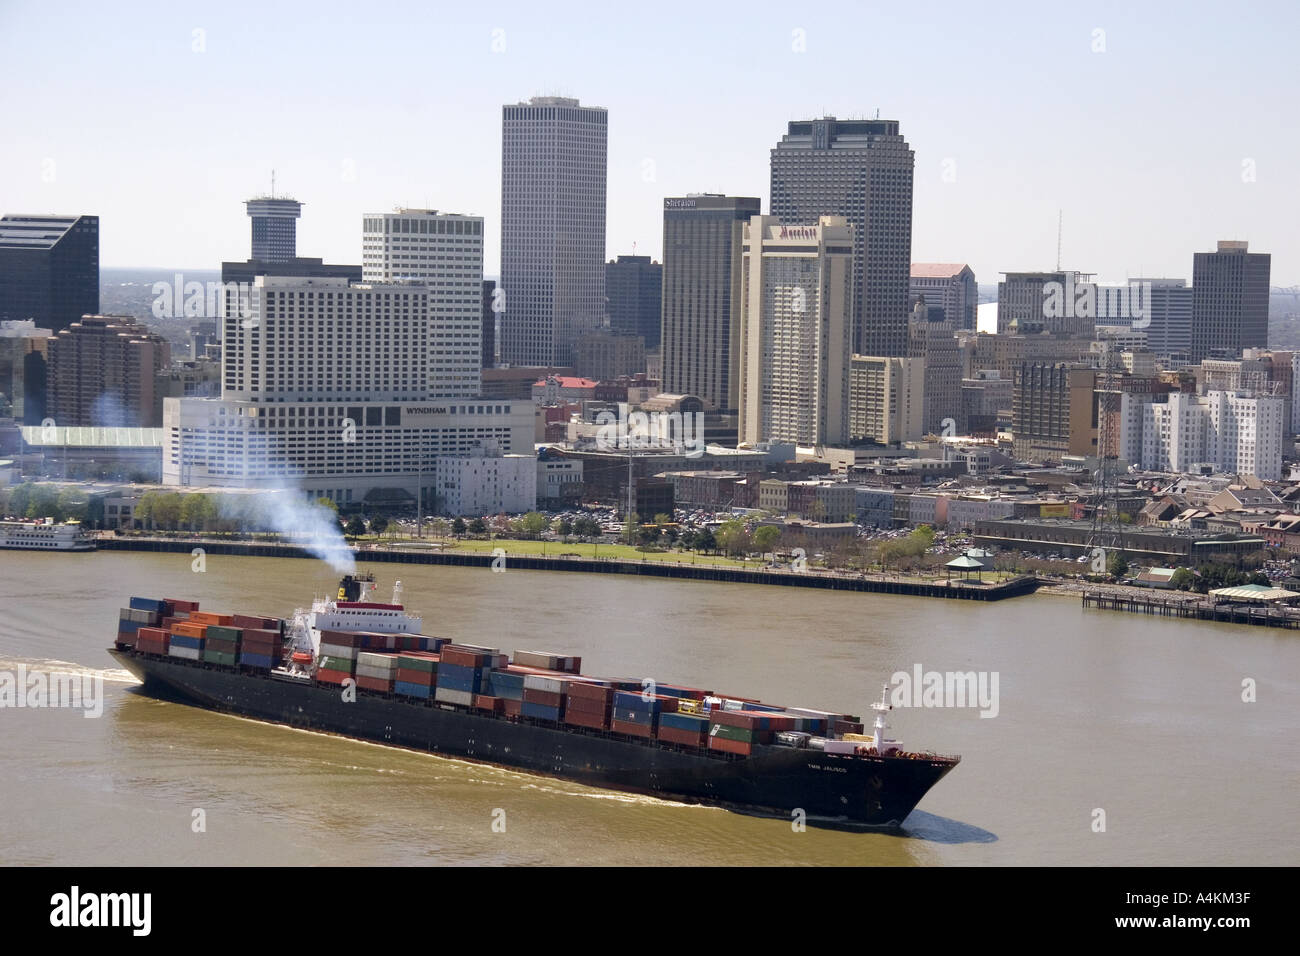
x=359, y=668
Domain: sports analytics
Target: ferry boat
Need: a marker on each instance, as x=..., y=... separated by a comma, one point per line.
x=45, y=536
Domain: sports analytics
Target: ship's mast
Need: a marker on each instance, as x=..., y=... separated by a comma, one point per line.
x=880, y=726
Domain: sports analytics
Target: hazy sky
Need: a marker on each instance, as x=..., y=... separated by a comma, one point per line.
x=163, y=117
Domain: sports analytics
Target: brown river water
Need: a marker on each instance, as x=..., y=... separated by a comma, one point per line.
x=1134, y=721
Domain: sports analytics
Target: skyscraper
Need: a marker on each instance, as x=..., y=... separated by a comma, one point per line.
x=442, y=252
x=488, y=322
x=1169, y=331
x=1229, y=301
x=275, y=227
x=862, y=170
x=634, y=286
x=702, y=295
x=795, y=332
x=553, y=161
x=49, y=269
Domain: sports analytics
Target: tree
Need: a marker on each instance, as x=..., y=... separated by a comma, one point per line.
x=705, y=540
x=662, y=519
x=168, y=510
x=533, y=523
x=765, y=538
x=586, y=527
x=478, y=526
x=378, y=524
x=73, y=504
x=44, y=503
x=648, y=534
x=355, y=527
x=1117, y=565
x=195, y=511
x=688, y=539
x=439, y=527
x=327, y=503
x=458, y=527
x=564, y=528
x=732, y=538
x=1183, y=579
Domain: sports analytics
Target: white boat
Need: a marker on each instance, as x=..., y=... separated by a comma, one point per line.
x=45, y=536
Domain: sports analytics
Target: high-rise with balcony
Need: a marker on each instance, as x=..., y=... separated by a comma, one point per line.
x=703, y=241
x=1229, y=301
x=553, y=164
x=861, y=170
x=49, y=269
x=442, y=253
x=101, y=372
x=795, y=332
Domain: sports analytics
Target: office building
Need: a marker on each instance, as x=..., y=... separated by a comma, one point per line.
x=702, y=295
x=49, y=269
x=634, y=288
x=1229, y=301
x=274, y=227
x=886, y=399
x=949, y=286
x=553, y=162
x=861, y=170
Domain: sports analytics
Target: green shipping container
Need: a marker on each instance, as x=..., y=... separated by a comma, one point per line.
x=222, y=644
x=225, y=633
x=337, y=664
x=219, y=657
x=417, y=664
x=733, y=733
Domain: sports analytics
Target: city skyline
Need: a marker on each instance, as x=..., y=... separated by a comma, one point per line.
x=1110, y=163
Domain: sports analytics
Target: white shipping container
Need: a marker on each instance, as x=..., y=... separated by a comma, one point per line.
x=554, y=685
x=338, y=650
x=371, y=659
x=841, y=746
x=379, y=673
x=448, y=696
x=189, y=653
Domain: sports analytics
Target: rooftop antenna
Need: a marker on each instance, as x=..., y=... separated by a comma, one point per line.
x=273, y=184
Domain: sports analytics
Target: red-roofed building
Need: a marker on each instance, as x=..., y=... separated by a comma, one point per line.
x=946, y=285
x=559, y=388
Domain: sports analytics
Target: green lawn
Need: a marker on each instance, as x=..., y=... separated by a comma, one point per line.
x=583, y=549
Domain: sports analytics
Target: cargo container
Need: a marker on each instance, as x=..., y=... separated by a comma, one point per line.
x=208, y=617
x=405, y=676
x=329, y=676
x=194, y=643
x=545, y=659
x=225, y=658
x=543, y=697
x=408, y=689
x=341, y=651
x=147, y=604
x=597, y=720
x=188, y=607
x=731, y=746
x=372, y=659
x=539, y=711
x=449, y=695
x=261, y=661
x=632, y=728
x=188, y=653
x=381, y=684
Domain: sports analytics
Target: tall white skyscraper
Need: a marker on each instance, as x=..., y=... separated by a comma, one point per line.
x=443, y=253
x=796, y=331
x=553, y=164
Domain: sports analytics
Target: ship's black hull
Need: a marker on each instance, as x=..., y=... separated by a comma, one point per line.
x=831, y=790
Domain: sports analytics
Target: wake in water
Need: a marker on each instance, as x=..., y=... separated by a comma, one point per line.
x=36, y=665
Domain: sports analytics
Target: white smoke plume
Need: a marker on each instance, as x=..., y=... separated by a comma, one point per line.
x=304, y=523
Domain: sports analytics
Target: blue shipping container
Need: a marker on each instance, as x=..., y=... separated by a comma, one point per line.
x=131, y=626
x=472, y=684
x=412, y=690
x=540, y=711
x=254, y=660
x=683, y=721
x=180, y=640
x=460, y=670
x=146, y=604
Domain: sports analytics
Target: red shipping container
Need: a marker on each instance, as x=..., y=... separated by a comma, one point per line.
x=596, y=692
x=464, y=658
x=512, y=708
x=731, y=746
x=327, y=676
x=126, y=638
x=586, y=706
x=582, y=718
x=253, y=620
x=152, y=633
x=262, y=633
x=340, y=638
x=690, y=738
x=375, y=683
x=186, y=606
x=490, y=704
x=544, y=697
x=423, y=678
x=627, y=727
